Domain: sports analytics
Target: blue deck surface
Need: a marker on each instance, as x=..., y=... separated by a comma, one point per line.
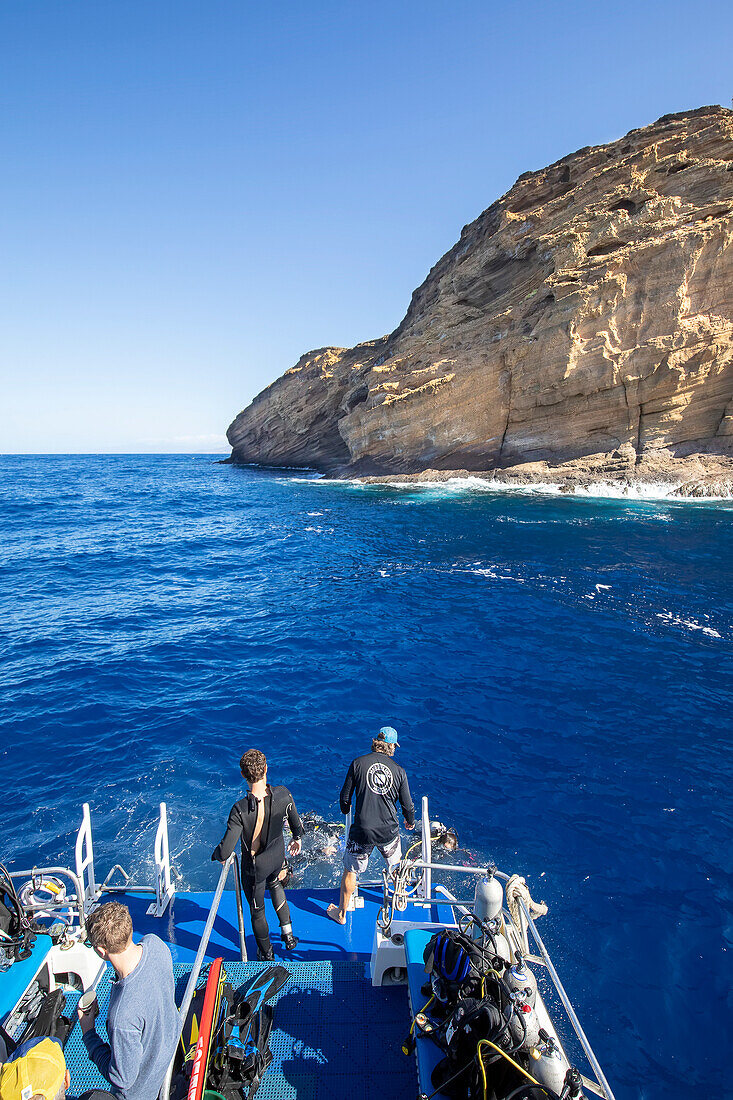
x=334, y=1033
x=427, y=1052
x=21, y=973
x=321, y=939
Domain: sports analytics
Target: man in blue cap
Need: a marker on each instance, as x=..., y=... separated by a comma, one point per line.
x=377, y=784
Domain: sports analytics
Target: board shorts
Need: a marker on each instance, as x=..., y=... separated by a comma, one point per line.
x=357, y=854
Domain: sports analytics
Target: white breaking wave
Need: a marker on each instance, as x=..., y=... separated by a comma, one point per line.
x=608, y=490
x=687, y=624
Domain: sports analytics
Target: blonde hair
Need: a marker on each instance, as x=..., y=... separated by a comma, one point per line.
x=382, y=746
x=110, y=927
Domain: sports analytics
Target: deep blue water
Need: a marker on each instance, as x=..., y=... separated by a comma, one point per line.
x=558, y=669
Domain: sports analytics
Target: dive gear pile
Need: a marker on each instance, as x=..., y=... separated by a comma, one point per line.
x=238, y=1045
x=17, y=934
x=482, y=1016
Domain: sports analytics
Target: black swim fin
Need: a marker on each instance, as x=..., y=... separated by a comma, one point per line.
x=262, y=987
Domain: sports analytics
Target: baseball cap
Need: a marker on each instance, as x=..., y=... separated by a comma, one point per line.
x=37, y=1067
x=389, y=736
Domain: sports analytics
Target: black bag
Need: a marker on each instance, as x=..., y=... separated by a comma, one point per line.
x=12, y=921
x=244, y=1052
x=456, y=965
x=49, y=1020
x=240, y=1051
x=472, y=1020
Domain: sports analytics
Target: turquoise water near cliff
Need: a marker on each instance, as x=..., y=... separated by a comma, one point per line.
x=559, y=670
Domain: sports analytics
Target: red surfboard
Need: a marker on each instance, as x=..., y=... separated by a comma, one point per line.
x=209, y=1012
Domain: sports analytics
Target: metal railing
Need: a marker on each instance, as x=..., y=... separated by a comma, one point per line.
x=71, y=901
x=427, y=850
x=198, y=961
x=390, y=897
x=572, y=1015
x=87, y=891
x=164, y=888
x=84, y=859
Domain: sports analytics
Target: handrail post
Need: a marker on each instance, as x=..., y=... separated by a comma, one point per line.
x=196, y=968
x=84, y=857
x=164, y=888
x=240, y=912
x=356, y=902
x=427, y=849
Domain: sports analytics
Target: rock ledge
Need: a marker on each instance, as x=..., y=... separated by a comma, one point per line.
x=582, y=325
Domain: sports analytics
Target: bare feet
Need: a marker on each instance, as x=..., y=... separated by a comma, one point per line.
x=334, y=913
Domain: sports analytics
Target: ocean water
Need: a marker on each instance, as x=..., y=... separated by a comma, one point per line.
x=558, y=668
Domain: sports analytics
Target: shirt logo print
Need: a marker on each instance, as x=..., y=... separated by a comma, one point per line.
x=380, y=780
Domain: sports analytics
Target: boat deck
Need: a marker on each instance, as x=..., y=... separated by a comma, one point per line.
x=334, y=1032
x=331, y=1027
x=321, y=939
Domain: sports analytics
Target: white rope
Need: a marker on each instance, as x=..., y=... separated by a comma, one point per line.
x=517, y=888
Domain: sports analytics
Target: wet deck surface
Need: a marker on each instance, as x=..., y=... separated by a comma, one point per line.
x=334, y=1033
x=321, y=939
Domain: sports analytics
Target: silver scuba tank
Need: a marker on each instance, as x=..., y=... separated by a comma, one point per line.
x=525, y=1025
x=548, y=1065
x=521, y=979
x=489, y=897
x=487, y=903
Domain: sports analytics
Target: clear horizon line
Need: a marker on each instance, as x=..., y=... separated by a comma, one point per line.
x=91, y=454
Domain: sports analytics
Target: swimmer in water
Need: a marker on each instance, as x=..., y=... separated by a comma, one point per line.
x=326, y=836
x=441, y=836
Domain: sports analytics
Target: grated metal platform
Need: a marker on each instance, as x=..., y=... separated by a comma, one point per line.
x=334, y=1035
x=84, y=1074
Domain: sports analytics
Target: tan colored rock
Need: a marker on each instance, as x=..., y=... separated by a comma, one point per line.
x=711, y=486
x=585, y=318
x=294, y=422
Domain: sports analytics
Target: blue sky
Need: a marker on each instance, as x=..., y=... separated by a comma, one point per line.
x=196, y=193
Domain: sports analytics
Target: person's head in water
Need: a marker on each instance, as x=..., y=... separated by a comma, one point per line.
x=449, y=840
x=441, y=836
x=253, y=766
x=386, y=741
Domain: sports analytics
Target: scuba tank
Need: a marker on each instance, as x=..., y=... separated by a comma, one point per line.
x=548, y=1065
x=524, y=1024
x=487, y=903
x=521, y=979
x=489, y=897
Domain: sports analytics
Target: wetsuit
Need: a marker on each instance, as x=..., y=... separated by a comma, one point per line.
x=261, y=871
x=377, y=784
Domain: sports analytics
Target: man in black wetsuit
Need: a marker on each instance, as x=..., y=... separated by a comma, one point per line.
x=378, y=784
x=257, y=819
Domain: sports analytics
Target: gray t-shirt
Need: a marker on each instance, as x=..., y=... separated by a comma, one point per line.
x=143, y=1026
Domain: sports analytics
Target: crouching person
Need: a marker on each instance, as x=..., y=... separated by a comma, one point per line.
x=142, y=1020
x=36, y=1070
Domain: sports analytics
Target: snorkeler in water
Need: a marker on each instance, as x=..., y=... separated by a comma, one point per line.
x=441, y=836
x=325, y=837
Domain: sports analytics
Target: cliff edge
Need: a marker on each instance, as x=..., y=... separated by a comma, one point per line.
x=582, y=324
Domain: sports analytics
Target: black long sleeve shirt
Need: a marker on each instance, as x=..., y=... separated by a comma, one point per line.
x=378, y=783
x=241, y=824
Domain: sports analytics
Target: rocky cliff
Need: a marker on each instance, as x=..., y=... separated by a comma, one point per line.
x=583, y=322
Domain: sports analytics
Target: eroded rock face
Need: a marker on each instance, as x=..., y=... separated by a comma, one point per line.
x=587, y=315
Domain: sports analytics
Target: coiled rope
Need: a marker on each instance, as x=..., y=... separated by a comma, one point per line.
x=517, y=888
